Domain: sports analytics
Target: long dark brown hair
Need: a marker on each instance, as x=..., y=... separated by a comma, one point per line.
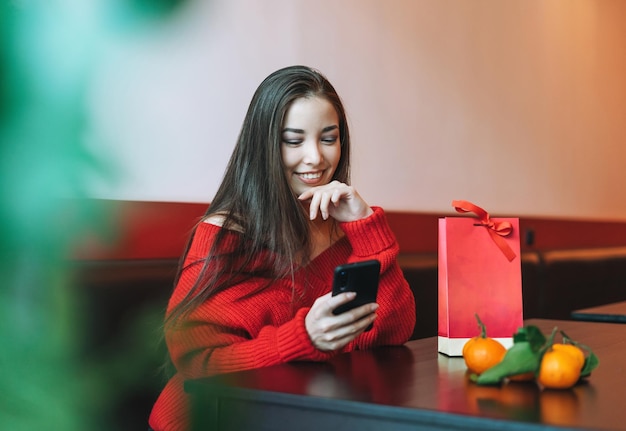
x=255, y=199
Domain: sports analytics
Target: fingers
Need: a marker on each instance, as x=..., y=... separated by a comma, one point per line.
x=322, y=196
x=308, y=194
x=346, y=332
x=316, y=205
x=333, y=302
x=338, y=339
x=337, y=200
x=329, y=303
x=324, y=305
x=356, y=314
x=331, y=332
x=336, y=197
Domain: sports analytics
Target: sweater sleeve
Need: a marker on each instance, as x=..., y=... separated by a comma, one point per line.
x=211, y=345
x=233, y=331
x=372, y=238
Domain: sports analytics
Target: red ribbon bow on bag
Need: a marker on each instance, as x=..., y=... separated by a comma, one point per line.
x=497, y=230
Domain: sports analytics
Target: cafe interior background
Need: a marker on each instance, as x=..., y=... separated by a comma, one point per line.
x=120, y=118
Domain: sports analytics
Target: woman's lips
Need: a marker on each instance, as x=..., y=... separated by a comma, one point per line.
x=309, y=177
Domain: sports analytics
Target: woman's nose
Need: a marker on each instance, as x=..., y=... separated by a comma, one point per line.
x=313, y=155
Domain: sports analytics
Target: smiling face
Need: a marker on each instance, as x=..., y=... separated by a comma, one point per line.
x=310, y=146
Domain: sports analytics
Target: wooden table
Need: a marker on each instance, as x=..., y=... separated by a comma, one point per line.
x=615, y=313
x=413, y=387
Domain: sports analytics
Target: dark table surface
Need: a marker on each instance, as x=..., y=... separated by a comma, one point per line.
x=615, y=312
x=416, y=384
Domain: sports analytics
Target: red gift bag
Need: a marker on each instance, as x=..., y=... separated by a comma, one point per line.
x=479, y=273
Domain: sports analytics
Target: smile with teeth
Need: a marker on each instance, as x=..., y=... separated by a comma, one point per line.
x=310, y=175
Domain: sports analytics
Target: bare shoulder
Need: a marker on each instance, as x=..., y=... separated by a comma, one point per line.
x=215, y=219
x=219, y=219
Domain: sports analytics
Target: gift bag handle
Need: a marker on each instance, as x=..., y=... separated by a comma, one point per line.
x=497, y=229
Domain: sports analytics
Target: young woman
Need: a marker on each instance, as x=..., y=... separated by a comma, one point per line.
x=254, y=285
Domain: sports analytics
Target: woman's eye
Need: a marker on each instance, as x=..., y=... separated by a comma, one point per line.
x=329, y=139
x=292, y=141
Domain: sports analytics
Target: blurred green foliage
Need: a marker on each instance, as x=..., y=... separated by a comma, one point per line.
x=48, y=49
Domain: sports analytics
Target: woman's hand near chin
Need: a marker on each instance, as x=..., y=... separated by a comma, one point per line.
x=337, y=200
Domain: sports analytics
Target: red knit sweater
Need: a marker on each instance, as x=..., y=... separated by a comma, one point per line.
x=232, y=332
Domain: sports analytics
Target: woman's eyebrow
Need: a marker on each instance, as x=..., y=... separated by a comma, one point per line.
x=289, y=129
x=301, y=131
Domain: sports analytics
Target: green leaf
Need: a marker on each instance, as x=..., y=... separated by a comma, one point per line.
x=519, y=359
x=591, y=363
x=531, y=334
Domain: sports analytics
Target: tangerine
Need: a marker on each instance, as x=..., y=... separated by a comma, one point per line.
x=481, y=353
x=572, y=350
x=559, y=369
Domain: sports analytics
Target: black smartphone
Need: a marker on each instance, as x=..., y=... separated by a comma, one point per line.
x=360, y=277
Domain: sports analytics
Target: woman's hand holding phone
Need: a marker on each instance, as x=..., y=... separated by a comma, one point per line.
x=329, y=331
x=338, y=317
